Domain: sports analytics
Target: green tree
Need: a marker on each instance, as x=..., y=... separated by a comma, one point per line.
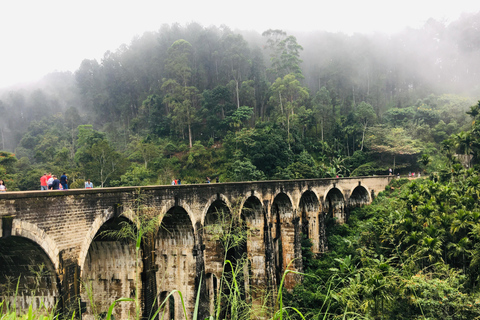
x=96, y=157
x=182, y=98
x=392, y=141
x=287, y=96
x=322, y=106
x=365, y=114
x=284, y=53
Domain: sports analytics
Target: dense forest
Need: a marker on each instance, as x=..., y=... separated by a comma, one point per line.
x=192, y=102
x=412, y=254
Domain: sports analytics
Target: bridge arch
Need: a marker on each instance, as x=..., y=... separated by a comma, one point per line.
x=359, y=196
x=175, y=256
x=285, y=224
x=28, y=275
x=108, y=271
x=216, y=227
x=255, y=277
x=96, y=225
x=215, y=200
x=311, y=218
x=31, y=231
x=250, y=195
x=170, y=205
x=334, y=203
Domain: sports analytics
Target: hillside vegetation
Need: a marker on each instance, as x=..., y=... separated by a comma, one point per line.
x=192, y=102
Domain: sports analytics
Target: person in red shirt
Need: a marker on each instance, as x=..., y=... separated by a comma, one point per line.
x=43, y=182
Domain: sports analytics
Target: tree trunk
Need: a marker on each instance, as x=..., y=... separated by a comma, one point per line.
x=322, y=129
x=190, y=135
x=363, y=135
x=288, y=131
x=238, y=95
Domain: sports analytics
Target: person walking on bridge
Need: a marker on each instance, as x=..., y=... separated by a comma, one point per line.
x=88, y=184
x=43, y=182
x=64, y=181
x=55, y=183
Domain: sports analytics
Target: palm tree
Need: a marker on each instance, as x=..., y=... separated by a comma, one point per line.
x=464, y=141
x=425, y=161
x=458, y=250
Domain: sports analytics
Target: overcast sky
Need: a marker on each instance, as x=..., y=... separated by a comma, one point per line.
x=38, y=37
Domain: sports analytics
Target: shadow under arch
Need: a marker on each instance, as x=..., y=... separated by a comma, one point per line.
x=41, y=238
x=89, y=237
x=312, y=221
x=218, y=223
x=109, y=271
x=359, y=197
x=175, y=256
x=24, y=262
x=254, y=220
x=334, y=205
x=215, y=202
x=285, y=225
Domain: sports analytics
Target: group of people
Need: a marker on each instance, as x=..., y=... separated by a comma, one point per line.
x=176, y=182
x=410, y=174
x=208, y=180
x=51, y=182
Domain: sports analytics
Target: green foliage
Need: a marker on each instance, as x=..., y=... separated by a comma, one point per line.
x=190, y=102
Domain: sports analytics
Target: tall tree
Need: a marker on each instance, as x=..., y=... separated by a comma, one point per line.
x=183, y=98
x=235, y=61
x=284, y=53
x=322, y=105
x=288, y=95
x=365, y=114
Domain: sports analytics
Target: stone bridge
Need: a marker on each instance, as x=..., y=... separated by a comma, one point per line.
x=60, y=245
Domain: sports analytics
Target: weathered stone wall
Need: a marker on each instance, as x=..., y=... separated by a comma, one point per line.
x=63, y=224
x=108, y=274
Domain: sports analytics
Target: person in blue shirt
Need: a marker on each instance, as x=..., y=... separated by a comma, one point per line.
x=88, y=184
x=64, y=181
x=55, y=183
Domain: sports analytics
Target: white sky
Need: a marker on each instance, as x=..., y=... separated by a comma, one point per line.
x=38, y=37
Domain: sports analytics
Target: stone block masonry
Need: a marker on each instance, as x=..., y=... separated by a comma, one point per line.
x=60, y=231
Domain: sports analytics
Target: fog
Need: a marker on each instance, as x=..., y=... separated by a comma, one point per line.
x=384, y=69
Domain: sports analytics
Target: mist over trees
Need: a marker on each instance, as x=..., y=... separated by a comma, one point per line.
x=271, y=105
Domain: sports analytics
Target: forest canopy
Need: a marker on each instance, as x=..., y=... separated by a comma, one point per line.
x=192, y=102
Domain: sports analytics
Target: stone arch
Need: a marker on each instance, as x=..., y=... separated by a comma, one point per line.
x=254, y=219
x=109, y=270
x=334, y=204
x=359, y=197
x=215, y=199
x=251, y=194
x=311, y=219
x=33, y=232
x=216, y=219
x=175, y=256
x=96, y=225
x=171, y=204
x=28, y=276
x=284, y=221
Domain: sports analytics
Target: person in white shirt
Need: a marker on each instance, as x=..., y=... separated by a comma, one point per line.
x=88, y=184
